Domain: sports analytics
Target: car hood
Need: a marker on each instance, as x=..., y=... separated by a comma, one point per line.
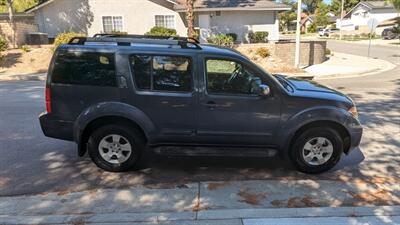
x=306, y=85
x=307, y=88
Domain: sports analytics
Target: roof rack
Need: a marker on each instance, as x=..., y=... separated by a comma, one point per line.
x=155, y=37
x=127, y=40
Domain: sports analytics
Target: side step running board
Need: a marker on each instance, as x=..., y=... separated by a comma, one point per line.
x=215, y=151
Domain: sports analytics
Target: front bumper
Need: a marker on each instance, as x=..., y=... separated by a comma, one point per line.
x=355, y=130
x=54, y=128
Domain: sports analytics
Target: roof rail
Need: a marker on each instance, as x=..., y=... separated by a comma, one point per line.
x=126, y=40
x=155, y=37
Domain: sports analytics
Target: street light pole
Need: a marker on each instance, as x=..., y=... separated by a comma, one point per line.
x=297, y=54
x=341, y=20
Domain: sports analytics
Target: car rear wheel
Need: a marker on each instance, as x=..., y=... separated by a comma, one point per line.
x=115, y=148
x=317, y=150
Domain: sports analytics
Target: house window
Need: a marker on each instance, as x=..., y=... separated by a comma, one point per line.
x=112, y=23
x=167, y=21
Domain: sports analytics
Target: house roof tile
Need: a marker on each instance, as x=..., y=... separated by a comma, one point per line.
x=231, y=4
x=378, y=4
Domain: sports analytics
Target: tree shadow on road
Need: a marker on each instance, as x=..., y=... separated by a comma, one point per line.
x=368, y=176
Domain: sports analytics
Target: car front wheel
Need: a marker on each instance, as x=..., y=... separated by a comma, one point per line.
x=317, y=150
x=115, y=148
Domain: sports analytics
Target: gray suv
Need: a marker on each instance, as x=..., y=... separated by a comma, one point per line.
x=118, y=96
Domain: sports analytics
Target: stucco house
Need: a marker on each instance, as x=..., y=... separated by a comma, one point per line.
x=357, y=18
x=139, y=16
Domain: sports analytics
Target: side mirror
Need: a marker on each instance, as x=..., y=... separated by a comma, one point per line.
x=264, y=90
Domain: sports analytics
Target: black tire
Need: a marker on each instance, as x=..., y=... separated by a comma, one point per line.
x=134, y=138
x=296, y=152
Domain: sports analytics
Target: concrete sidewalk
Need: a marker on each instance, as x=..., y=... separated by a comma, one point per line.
x=208, y=201
x=346, y=65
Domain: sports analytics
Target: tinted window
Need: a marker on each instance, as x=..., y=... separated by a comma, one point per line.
x=162, y=73
x=142, y=67
x=84, y=68
x=230, y=77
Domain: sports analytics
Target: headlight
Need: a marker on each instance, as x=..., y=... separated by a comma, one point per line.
x=353, y=111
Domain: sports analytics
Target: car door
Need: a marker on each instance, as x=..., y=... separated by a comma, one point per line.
x=163, y=88
x=230, y=112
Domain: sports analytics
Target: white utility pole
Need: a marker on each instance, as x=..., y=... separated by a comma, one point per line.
x=341, y=20
x=297, y=55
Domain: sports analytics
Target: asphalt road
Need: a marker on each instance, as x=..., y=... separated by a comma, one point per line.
x=31, y=163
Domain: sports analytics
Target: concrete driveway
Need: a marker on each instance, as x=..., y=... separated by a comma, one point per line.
x=31, y=163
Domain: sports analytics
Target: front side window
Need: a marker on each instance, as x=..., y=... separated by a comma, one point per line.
x=112, y=24
x=167, y=21
x=230, y=77
x=162, y=73
x=84, y=68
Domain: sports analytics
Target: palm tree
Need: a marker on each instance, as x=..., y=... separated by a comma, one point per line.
x=189, y=4
x=190, y=17
x=10, y=7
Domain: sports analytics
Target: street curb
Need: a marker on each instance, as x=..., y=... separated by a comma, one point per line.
x=217, y=214
x=300, y=212
x=389, y=66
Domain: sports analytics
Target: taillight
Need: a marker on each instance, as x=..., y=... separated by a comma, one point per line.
x=48, y=99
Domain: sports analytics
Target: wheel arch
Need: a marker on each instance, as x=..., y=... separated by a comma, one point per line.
x=102, y=121
x=343, y=132
x=110, y=113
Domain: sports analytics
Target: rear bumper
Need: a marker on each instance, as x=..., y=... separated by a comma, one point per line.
x=56, y=128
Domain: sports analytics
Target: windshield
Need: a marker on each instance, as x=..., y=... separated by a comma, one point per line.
x=279, y=78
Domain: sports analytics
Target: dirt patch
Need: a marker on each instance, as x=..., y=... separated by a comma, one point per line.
x=271, y=64
x=370, y=180
x=198, y=207
x=308, y=202
x=62, y=193
x=378, y=197
x=297, y=202
x=79, y=221
x=217, y=185
x=251, y=198
x=278, y=203
x=16, y=61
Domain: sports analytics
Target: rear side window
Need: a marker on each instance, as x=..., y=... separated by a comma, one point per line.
x=162, y=73
x=84, y=68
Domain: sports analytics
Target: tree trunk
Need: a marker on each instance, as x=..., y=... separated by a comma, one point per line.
x=11, y=18
x=190, y=17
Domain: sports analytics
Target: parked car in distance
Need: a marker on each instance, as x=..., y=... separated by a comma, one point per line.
x=390, y=34
x=327, y=32
x=118, y=96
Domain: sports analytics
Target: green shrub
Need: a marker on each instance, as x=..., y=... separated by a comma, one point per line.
x=119, y=32
x=328, y=51
x=3, y=44
x=312, y=28
x=221, y=39
x=263, y=52
x=26, y=48
x=64, y=38
x=196, y=34
x=258, y=37
x=233, y=35
x=161, y=31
